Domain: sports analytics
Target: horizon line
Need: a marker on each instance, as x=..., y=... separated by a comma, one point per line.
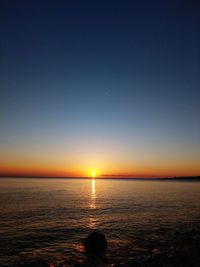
x=99, y=177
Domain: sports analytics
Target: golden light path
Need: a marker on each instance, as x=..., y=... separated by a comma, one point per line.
x=93, y=192
x=92, y=220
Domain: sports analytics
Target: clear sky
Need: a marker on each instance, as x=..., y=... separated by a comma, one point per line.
x=110, y=86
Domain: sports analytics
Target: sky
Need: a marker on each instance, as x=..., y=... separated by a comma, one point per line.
x=105, y=86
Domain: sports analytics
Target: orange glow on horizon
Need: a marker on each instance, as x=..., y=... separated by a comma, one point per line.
x=79, y=168
x=38, y=172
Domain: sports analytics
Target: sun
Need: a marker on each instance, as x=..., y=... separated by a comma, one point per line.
x=93, y=174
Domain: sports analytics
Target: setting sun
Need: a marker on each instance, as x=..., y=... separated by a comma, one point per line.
x=93, y=173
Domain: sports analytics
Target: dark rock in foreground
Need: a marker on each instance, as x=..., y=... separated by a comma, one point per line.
x=95, y=243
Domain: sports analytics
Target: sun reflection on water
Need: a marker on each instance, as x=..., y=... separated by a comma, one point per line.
x=92, y=221
x=93, y=195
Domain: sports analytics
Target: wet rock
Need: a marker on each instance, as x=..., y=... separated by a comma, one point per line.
x=177, y=233
x=95, y=243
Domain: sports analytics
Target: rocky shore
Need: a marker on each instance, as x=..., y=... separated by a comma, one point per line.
x=183, y=250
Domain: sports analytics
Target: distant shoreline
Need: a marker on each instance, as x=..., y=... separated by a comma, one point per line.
x=186, y=178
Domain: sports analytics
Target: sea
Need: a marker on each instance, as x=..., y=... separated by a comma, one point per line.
x=48, y=219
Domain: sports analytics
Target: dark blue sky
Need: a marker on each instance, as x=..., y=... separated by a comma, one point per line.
x=93, y=78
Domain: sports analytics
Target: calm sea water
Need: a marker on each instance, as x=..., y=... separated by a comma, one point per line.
x=49, y=218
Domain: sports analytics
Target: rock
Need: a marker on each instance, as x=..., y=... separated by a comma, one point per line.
x=95, y=243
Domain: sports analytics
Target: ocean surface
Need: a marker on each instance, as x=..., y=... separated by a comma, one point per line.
x=48, y=219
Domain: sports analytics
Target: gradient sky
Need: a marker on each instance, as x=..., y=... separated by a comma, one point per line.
x=111, y=86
